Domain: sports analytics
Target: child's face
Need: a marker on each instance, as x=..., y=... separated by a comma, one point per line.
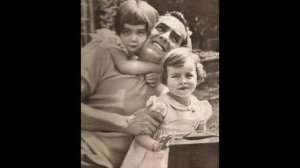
x=182, y=81
x=133, y=37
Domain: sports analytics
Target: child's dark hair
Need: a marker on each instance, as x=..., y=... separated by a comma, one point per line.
x=176, y=58
x=135, y=12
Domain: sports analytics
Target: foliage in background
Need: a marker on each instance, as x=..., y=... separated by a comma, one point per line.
x=202, y=18
x=105, y=12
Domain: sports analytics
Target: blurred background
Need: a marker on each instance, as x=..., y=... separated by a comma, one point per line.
x=202, y=17
x=203, y=20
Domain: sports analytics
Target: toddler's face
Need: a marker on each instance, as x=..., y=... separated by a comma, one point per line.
x=133, y=37
x=182, y=81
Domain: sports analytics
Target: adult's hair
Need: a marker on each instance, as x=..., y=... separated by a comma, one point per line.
x=135, y=12
x=176, y=58
x=180, y=17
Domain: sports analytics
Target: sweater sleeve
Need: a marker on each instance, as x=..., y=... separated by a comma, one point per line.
x=94, y=65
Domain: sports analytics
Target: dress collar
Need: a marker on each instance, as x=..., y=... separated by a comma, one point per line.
x=180, y=106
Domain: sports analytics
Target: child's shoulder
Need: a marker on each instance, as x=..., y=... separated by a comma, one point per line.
x=202, y=108
x=156, y=99
x=200, y=102
x=157, y=104
x=103, y=34
x=201, y=105
x=107, y=38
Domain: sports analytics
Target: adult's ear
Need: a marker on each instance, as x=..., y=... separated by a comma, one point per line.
x=201, y=73
x=189, y=40
x=187, y=43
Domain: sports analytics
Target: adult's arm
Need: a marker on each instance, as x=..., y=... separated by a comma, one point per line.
x=99, y=120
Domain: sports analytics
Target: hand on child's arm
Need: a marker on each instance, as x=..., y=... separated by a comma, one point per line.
x=144, y=122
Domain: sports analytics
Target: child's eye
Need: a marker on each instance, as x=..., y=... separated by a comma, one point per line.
x=189, y=75
x=141, y=33
x=126, y=32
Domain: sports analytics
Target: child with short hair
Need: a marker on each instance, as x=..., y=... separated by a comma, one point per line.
x=133, y=22
x=182, y=112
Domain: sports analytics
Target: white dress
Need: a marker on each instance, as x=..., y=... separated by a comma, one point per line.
x=178, y=119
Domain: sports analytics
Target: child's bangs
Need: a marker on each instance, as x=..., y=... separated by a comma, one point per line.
x=134, y=19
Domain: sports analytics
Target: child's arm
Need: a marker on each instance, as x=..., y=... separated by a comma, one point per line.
x=126, y=66
x=156, y=105
x=148, y=143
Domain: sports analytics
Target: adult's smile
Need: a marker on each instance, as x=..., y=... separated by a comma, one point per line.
x=159, y=46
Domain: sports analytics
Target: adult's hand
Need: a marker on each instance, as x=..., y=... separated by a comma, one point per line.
x=152, y=79
x=144, y=122
x=201, y=73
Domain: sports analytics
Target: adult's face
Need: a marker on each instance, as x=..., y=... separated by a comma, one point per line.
x=168, y=33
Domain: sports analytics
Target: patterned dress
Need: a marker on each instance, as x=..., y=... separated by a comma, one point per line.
x=178, y=119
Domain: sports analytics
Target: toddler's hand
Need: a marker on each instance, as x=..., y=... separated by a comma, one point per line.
x=163, y=143
x=152, y=79
x=158, y=146
x=144, y=122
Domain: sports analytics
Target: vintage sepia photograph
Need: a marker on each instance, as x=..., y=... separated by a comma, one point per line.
x=150, y=83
